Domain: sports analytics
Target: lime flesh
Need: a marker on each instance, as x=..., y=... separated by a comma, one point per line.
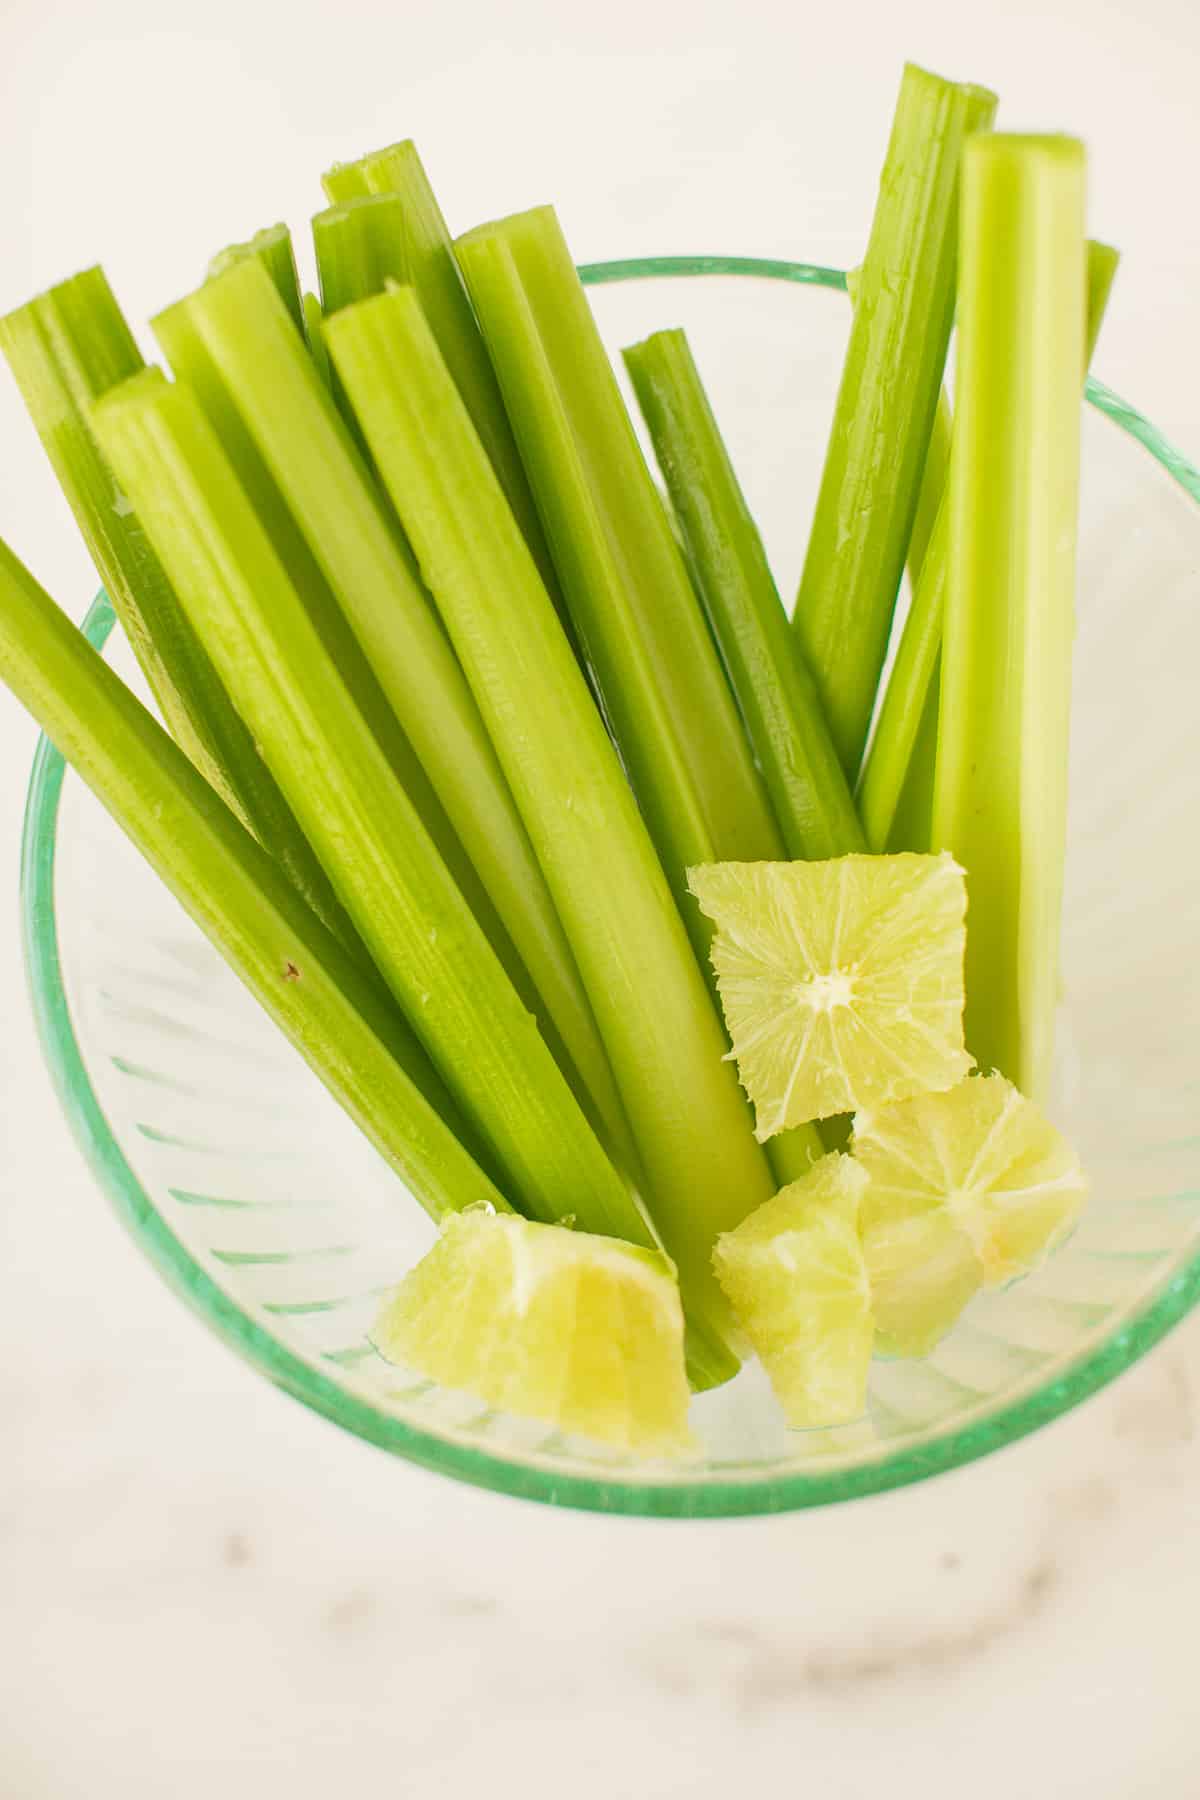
x=966, y=1189
x=795, y=1276
x=584, y=1333
x=841, y=981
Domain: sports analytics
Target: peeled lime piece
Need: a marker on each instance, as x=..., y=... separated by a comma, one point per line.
x=795, y=1276
x=841, y=982
x=584, y=1333
x=965, y=1189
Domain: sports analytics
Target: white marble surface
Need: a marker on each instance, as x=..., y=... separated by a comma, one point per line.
x=202, y=1584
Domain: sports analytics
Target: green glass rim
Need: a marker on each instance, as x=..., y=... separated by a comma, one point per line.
x=707, y=1495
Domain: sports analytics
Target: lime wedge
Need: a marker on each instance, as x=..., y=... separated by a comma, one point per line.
x=583, y=1333
x=795, y=1276
x=967, y=1188
x=841, y=982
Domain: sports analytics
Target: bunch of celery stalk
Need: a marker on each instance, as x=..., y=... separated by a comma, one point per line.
x=453, y=699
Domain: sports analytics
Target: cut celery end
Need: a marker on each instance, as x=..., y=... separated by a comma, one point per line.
x=346, y=1028
x=772, y=686
x=67, y=348
x=639, y=623
x=423, y=937
x=406, y=239
x=1000, y=785
x=272, y=248
x=886, y=403
x=703, y=1169
x=1102, y=264
x=355, y=545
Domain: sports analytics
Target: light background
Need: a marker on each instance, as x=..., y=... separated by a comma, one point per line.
x=200, y=1584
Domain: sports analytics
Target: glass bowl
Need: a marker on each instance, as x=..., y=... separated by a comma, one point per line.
x=259, y=1202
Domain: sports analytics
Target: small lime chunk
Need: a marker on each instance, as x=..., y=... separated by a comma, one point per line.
x=584, y=1333
x=966, y=1188
x=795, y=1276
x=841, y=982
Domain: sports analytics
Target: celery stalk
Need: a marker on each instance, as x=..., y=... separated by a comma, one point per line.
x=933, y=474
x=771, y=683
x=886, y=404
x=657, y=671
x=407, y=239
x=898, y=773
x=314, y=332
x=345, y=1028
x=689, y=1117
x=933, y=486
x=772, y=686
x=1001, y=778
x=189, y=357
x=893, y=742
x=912, y=826
x=358, y=246
x=311, y=460
x=1102, y=264
x=272, y=247
x=421, y=934
x=66, y=349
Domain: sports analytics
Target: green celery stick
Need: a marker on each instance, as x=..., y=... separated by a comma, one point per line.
x=643, y=634
x=632, y=601
x=66, y=349
x=933, y=486
x=689, y=1117
x=933, y=475
x=908, y=716
x=272, y=248
x=353, y=259
x=314, y=332
x=422, y=936
x=343, y=1025
x=1001, y=780
x=886, y=404
x=912, y=826
x=312, y=463
x=1102, y=264
x=912, y=812
x=407, y=239
x=906, y=697
x=189, y=357
x=772, y=686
